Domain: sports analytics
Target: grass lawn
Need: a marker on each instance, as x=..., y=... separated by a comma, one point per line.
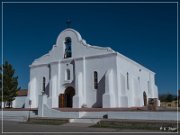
x=155, y=126
x=136, y=125
x=46, y=121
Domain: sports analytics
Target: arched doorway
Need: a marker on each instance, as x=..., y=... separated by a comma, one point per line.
x=66, y=99
x=145, y=98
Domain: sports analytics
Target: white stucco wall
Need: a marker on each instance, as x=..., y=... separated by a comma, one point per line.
x=36, y=83
x=100, y=64
x=140, y=80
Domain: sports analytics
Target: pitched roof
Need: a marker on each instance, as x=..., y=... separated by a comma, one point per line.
x=22, y=93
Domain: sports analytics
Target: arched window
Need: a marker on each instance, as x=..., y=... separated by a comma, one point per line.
x=67, y=52
x=44, y=84
x=127, y=80
x=95, y=80
x=145, y=98
x=148, y=87
x=139, y=79
x=67, y=75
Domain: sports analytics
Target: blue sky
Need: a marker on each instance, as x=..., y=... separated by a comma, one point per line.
x=146, y=33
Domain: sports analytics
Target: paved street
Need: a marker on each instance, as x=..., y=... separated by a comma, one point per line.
x=10, y=126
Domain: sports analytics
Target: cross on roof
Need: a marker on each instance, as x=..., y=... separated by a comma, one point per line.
x=68, y=23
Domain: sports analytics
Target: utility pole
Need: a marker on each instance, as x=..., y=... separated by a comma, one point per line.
x=29, y=110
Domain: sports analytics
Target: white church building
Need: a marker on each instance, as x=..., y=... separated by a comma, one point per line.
x=74, y=74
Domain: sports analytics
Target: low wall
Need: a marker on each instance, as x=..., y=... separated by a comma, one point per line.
x=55, y=113
x=135, y=115
x=17, y=115
x=52, y=113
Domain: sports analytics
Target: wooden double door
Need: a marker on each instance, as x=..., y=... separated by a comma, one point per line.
x=66, y=99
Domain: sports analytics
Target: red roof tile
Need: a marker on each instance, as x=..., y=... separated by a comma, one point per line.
x=22, y=93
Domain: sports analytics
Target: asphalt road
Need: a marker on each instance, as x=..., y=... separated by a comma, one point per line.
x=19, y=128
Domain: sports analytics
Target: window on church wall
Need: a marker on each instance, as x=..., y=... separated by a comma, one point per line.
x=95, y=80
x=127, y=80
x=67, y=74
x=44, y=84
x=67, y=51
x=49, y=66
x=148, y=86
x=139, y=79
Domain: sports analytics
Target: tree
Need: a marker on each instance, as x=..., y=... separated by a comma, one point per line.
x=10, y=83
x=167, y=97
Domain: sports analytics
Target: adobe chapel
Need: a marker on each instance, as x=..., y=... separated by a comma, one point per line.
x=75, y=74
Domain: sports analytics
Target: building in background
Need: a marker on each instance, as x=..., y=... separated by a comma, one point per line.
x=19, y=101
x=172, y=104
